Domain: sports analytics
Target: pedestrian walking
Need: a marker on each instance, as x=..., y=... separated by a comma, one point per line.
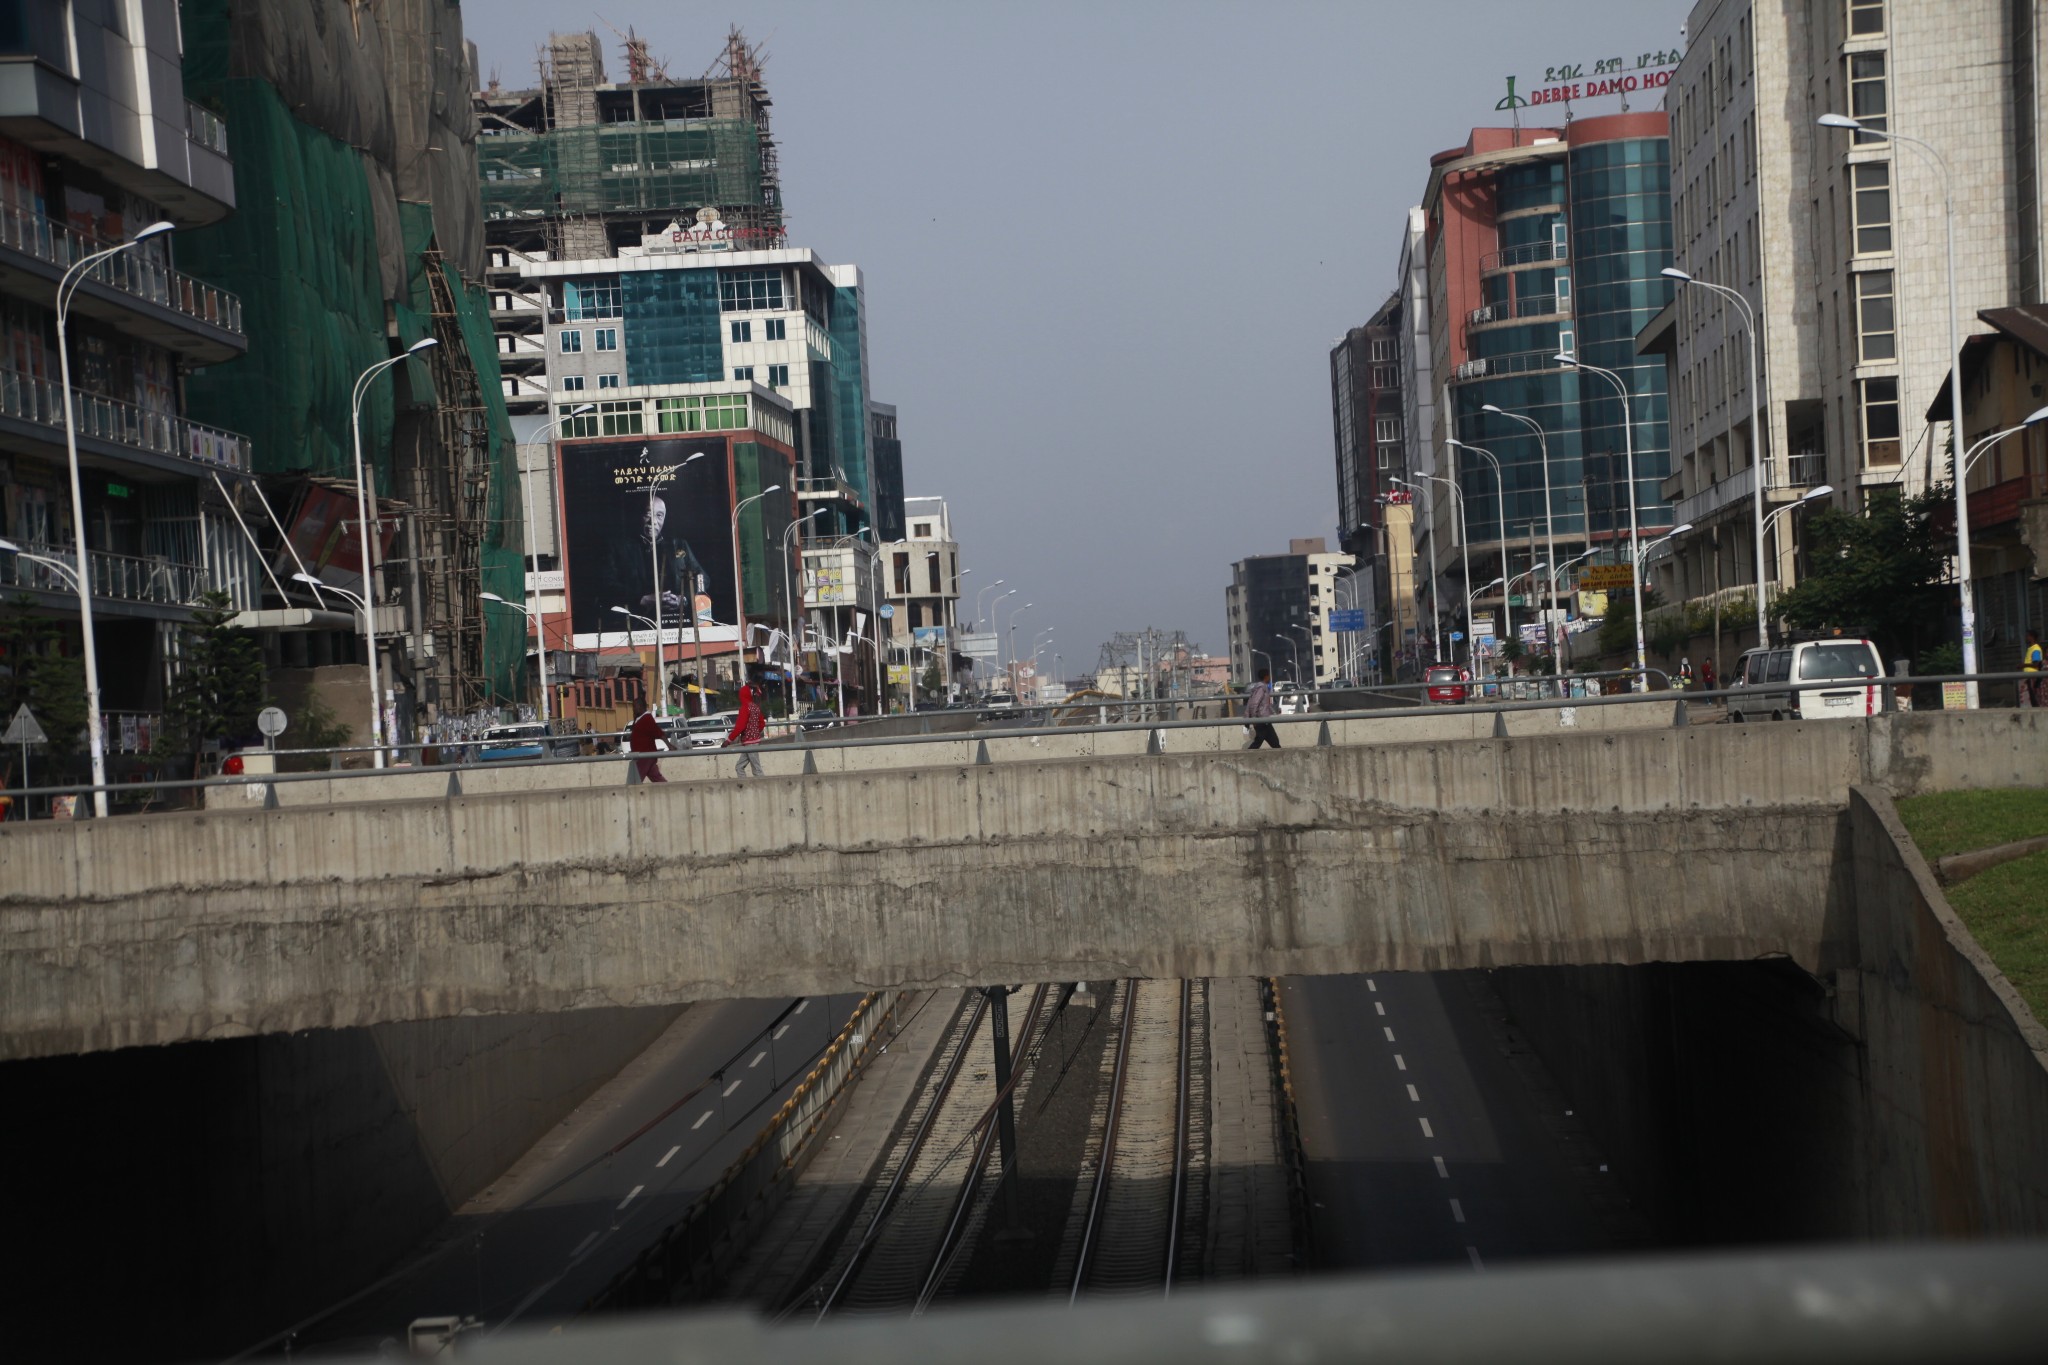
x=646, y=738
x=2033, y=690
x=1709, y=679
x=747, y=728
x=1258, y=710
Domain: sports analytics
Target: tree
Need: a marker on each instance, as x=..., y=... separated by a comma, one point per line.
x=1879, y=572
x=33, y=672
x=219, y=688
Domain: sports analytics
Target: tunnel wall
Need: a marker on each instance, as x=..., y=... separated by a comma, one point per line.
x=1905, y=1094
x=190, y=1199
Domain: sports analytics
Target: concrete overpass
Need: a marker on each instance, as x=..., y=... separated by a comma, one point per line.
x=1556, y=846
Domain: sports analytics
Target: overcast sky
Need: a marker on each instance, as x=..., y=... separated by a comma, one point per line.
x=1107, y=247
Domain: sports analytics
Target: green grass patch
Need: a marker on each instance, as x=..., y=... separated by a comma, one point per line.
x=2006, y=911
x=1962, y=822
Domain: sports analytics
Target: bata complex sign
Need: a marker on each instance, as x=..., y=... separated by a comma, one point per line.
x=1600, y=78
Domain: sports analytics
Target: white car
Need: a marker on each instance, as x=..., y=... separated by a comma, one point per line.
x=1289, y=699
x=999, y=701
x=1851, y=662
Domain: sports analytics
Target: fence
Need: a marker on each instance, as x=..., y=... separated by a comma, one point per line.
x=120, y=423
x=130, y=272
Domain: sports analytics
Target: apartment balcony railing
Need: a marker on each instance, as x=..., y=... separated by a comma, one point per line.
x=130, y=272
x=122, y=578
x=206, y=128
x=1784, y=475
x=1527, y=254
x=121, y=424
x=1529, y=306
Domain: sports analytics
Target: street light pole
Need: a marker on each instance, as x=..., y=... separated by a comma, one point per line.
x=1549, y=521
x=1288, y=640
x=1500, y=502
x=1465, y=545
x=1967, y=595
x=788, y=605
x=739, y=591
x=549, y=432
x=67, y=288
x=1635, y=539
x=1756, y=438
x=534, y=621
x=362, y=387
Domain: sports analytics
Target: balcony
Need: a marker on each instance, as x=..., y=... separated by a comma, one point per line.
x=110, y=428
x=1786, y=477
x=204, y=128
x=1521, y=309
x=1531, y=253
x=132, y=292
x=115, y=578
x=2000, y=503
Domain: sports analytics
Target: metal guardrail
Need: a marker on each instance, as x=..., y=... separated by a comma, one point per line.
x=120, y=423
x=127, y=578
x=1527, y=254
x=1963, y=1303
x=1681, y=699
x=130, y=272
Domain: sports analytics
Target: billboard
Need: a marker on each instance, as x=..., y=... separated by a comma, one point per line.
x=634, y=508
x=1606, y=577
x=324, y=535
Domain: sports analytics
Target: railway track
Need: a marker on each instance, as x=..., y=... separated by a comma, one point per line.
x=1136, y=1210
x=909, y=1233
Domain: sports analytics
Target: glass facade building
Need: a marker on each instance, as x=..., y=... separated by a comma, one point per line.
x=1581, y=236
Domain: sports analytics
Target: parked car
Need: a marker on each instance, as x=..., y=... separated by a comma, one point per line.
x=524, y=740
x=700, y=732
x=1445, y=683
x=1759, y=688
x=818, y=718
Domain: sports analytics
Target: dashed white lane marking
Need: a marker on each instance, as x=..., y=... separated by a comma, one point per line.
x=1425, y=1128
x=1443, y=1172
x=734, y=1086
x=700, y=1120
x=1473, y=1252
x=583, y=1245
x=1413, y=1096
x=779, y=1032
x=1379, y=1006
x=669, y=1155
x=1371, y=984
x=801, y=1005
x=637, y=1188
x=1457, y=1211
x=1399, y=1063
x=1390, y=1035
x=757, y=1059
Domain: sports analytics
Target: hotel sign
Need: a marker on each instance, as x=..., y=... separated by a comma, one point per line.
x=1598, y=79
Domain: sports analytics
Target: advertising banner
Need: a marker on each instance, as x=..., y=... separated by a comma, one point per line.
x=978, y=646
x=323, y=531
x=1606, y=578
x=635, y=508
x=929, y=637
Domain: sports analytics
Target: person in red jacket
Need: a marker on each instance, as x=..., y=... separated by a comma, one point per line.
x=645, y=738
x=747, y=728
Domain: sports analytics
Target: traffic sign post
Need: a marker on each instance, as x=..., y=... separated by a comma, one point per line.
x=272, y=722
x=1345, y=620
x=24, y=730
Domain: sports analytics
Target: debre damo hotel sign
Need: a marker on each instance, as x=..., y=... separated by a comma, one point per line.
x=1600, y=78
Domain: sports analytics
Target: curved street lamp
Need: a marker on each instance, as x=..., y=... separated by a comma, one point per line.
x=1549, y=521
x=1635, y=540
x=545, y=434
x=739, y=592
x=67, y=289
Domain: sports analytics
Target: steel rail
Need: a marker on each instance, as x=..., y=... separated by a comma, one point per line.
x=1100, y=1193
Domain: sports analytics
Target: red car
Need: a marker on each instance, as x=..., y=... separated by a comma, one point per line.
x=1446, y=683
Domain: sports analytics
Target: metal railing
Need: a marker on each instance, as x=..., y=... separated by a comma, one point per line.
x=130, y=272
x=126, y=578
x=1027, y=724
x=206, y=128
x=1527, y=306
x=125, y=424
x=1527, y=254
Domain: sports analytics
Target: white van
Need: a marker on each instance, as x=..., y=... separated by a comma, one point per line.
x=1289, y=699
x=1759, y=690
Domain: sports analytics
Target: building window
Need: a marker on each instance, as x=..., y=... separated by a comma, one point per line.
x=719, y=412
x=778, y=376
x=1382, y=348
x=607, y=381
x=572, y=342
x=572, y=383
x=1866, y=92
x=1386, y=428
x=586, y=299
x=921, y=531
x=1876, y=329
x=582, y=424
x=621, y=419
x=1866, y=18
x=750, y=291
x=607, y=338
x=1385, y=376
x=1879, y=401
x=743, y=330
x=743, y=372
x=775, y=329
x=1870, y=198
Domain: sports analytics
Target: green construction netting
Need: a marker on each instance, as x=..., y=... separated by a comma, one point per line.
x=658, y=167
x=301, y=251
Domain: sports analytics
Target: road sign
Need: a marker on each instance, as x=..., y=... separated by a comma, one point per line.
x=1606, y=577
x=1347, y=620
x=23, y=729
x=271, y=722
x=1516, y=600
x=1457, y=635
x=888, y=610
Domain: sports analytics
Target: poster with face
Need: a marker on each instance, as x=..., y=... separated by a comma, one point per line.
x=638, y=512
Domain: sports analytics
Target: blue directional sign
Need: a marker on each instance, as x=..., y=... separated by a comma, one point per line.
x=1352, y=619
